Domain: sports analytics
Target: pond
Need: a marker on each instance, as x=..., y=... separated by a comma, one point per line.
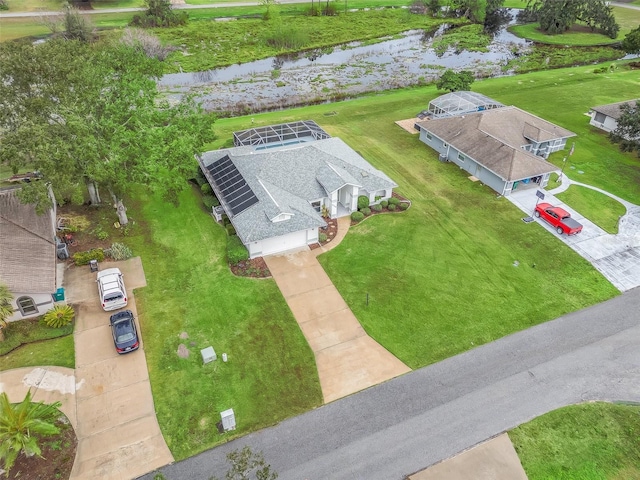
x=340, y=72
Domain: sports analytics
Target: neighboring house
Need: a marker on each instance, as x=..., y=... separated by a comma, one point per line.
x=605, y=117
x=503, y=147
x=278, y=180
x=27, y=255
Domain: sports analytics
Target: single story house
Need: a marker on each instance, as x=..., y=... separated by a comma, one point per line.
x=27, y=255
x=503, y=147
x=605, y=117
x=275, y=189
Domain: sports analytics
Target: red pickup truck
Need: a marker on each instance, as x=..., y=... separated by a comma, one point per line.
x=559, y=218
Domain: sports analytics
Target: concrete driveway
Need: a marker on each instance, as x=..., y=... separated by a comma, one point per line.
x=617, y=257
x=348, y=360
x=118, y=433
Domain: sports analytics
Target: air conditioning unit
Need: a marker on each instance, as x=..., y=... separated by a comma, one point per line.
x=442, y=157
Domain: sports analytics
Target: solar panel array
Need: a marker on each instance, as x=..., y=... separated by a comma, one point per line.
x=232, y=186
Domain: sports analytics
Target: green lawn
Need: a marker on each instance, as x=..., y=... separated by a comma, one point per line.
x=57, y=351
x=627, y=18
x=590, y=441
x=602, y=210
x=441, y=277
x=271, y=372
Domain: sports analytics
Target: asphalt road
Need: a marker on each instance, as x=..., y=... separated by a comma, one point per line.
x=423, y=417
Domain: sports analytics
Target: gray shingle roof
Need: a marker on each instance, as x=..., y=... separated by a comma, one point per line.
x=613, y=109
x=287, y=179
x=494, y=139
x=27, y=246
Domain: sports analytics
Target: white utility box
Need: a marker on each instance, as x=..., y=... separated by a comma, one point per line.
x=228, y=420
x=208, y=355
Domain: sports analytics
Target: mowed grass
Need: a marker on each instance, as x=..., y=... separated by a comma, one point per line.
x=591, y=441
x=441, y=277
x=57, y=351
x=270, y=374
x=602, y=210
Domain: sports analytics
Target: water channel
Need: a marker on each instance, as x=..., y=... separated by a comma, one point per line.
x=343, y=71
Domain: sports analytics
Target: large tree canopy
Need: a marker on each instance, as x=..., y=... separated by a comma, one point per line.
x=87, y=116
x=627, y=134
x=631, y=42
x=557, y=16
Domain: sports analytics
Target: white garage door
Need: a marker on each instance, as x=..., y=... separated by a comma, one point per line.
x=284, y=242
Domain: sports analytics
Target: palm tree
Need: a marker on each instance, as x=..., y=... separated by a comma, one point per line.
x=6, y=310
x=21, y=426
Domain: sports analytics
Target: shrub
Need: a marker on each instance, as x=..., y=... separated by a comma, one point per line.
x=392, y=207
x=58, y=316
x=394, y=201
x=230, y=230
x=236, y=251
x=206, y=189
x=159, y=13
x=83, y=258
x=146, y=43
x=376, y=208
x=119, y=251
x=100, y=234
x=357, y=216
x=322, y=237
x=366, y=211
x=363, y=202
x=210, y=201
x=4, y=5
x=384, y=204
x=403, y=206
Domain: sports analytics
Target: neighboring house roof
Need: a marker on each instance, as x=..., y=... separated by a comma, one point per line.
x=27, y=246
x=494, y=139
x=286, y=179
x=613, y=110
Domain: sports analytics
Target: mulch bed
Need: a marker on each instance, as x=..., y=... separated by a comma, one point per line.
x=255, y=268
x=386, y=210
x=58, y=452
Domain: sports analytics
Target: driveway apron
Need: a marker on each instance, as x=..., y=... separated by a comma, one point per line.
x=617, y=257
x=348, y=360
x=118, y=433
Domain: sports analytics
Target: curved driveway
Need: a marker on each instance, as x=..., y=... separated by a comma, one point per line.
x=428, y=415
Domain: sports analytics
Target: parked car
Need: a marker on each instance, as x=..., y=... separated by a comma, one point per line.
x=558, y=218
x=123, y=328
x=113, y=294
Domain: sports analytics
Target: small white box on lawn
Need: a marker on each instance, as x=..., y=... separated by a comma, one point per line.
x=208, y=355
x=228, y=420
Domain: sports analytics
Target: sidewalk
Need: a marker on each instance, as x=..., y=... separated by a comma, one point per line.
x=348, y=360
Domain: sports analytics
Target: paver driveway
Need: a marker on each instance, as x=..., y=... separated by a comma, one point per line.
x=348, y=359
x=117, y=429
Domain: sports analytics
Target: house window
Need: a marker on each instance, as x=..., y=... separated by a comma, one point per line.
x=429, y=136
x=600, y=117
x=27, y=306
x=317, y=205
x=461, y=157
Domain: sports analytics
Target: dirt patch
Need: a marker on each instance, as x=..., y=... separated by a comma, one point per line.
x=58, y=454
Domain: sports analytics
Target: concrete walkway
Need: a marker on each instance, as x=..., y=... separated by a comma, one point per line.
x=617, y=256
x=47, y=384
x=118, y=433
x=348, y=360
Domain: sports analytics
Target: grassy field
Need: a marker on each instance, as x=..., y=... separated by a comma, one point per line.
x=602, y=210
x=627, y=18
x=590, y=441
x=441, y=277
x=30, y=343
x=57, y=351
x=271, y=372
